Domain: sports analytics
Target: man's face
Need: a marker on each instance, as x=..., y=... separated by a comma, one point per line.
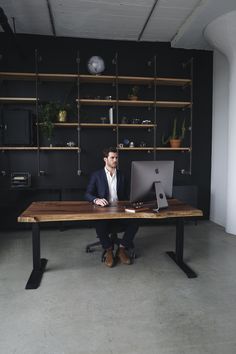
x=111, y=160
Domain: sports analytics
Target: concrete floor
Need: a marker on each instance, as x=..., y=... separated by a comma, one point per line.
x=150, y=307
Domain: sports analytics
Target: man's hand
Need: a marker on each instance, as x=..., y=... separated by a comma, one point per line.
x=102, y=202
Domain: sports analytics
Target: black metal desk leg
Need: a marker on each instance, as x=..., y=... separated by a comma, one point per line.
x=177, y=256
x=39, y=264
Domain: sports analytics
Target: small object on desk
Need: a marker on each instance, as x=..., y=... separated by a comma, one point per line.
x=137, y=210
x=140, y=207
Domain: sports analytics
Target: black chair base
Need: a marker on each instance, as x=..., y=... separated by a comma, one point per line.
x=89, y=247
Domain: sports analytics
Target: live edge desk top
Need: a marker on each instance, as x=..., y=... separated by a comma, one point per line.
x=39, y=212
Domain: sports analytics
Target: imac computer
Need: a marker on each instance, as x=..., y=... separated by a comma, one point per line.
x=151, y=181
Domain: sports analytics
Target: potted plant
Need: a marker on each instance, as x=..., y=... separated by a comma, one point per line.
x=48, y=116
x=133, y=95
x=176, y=137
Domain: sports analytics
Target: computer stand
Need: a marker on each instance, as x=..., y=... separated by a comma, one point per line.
x=160, y=196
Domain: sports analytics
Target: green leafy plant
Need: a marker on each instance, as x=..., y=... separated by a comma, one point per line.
x=48, y=116
x=176, y=134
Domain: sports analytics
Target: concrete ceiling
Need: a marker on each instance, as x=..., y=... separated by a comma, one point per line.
x=180, y=22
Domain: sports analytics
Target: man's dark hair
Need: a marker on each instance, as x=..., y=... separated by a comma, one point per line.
x=107, y=150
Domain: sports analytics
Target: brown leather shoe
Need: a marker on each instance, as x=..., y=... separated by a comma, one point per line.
x=109, y=259
x=122, y=256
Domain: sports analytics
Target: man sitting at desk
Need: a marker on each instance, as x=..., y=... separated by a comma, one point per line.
x=106, y=186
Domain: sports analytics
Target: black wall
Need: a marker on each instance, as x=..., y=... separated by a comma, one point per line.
x=58, y=55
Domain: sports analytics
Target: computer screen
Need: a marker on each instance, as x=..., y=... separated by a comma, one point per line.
x=144, y=174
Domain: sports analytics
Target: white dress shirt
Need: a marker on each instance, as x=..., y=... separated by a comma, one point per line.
x=112, y=185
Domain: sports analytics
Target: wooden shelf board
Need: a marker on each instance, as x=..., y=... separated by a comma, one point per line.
x=57, y=77
x=18, y=99
x=33, y=76
x=136, y=125
x=172, y=104
x=6, y=75
x=97, y=78
x=136, y=148
x=64, y=125
x=20, y=148
x=137, y=103
x=93, y=102
x=98, y=125
x=65, y=148
x=101, y=125
x=163, y=81
x=48, y=148
x=135, y=80
x=171, y=149
x=107, y=125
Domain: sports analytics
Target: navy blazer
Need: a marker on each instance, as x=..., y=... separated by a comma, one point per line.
x=98, y=186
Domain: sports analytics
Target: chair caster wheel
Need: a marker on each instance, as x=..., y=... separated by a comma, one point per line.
x=88, y=250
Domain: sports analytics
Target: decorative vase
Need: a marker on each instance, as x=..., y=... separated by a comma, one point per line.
x=62, y=116
x=175, y=143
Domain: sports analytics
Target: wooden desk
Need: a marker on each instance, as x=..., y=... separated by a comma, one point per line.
x=42, y=212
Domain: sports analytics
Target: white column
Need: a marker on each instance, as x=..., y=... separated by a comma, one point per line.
x=221, y=33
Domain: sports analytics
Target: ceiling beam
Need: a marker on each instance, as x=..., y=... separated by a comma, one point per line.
x=51, y=17
x=147, y=20
x=4, y=22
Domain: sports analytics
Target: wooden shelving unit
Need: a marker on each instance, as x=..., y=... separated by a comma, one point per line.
x=116, y=81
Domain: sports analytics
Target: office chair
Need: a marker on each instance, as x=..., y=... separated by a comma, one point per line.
x=115, y=241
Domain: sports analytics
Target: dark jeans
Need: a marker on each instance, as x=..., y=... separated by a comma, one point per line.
x=105, y=227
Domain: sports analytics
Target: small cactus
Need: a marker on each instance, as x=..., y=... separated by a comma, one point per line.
x=134, y=92
x=175, y=134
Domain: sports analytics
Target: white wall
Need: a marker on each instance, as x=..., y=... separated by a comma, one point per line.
x=219, y=139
